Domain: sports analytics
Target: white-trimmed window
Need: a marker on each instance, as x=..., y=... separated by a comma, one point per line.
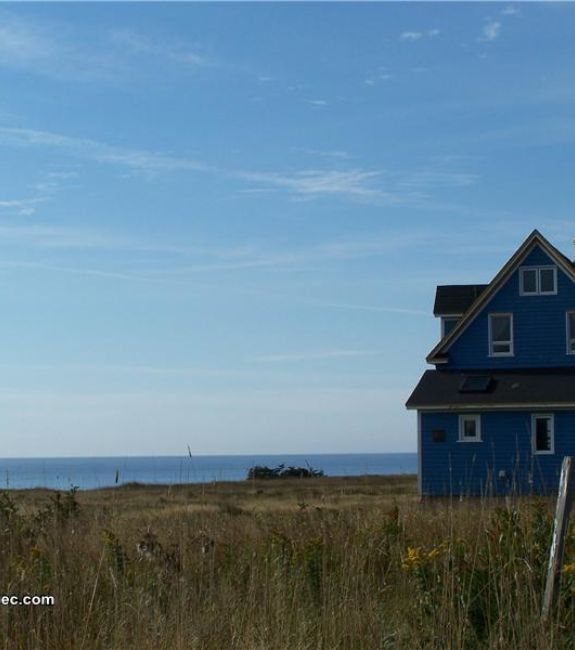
x=501, y=335
x=538, y=280
x=469, y=428
x=543, y=433
x=570, y=328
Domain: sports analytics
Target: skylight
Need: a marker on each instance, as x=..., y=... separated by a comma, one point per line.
x=475, y=384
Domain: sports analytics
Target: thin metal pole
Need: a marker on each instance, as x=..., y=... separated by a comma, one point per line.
x=564, y=502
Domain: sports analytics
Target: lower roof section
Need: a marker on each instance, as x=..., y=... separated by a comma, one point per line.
x=447, y=390
x=455, y=299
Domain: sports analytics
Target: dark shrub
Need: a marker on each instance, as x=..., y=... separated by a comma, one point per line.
x=281, y=471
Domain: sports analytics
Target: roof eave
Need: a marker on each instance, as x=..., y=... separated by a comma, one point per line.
x=492, y=407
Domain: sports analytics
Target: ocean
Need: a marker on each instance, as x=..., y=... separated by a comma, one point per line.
x=88, y=473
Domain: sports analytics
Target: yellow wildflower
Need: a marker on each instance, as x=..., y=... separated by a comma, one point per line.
x=437, y=551
x=35, y=552
x=413, y=558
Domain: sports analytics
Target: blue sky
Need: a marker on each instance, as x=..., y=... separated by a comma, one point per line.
x=221, y=225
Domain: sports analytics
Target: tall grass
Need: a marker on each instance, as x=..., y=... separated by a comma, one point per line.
x=340, y=564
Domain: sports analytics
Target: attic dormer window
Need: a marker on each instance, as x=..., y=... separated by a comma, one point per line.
x=538, y=280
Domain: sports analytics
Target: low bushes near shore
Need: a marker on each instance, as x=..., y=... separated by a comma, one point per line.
x=281, y=471
x=384, y=572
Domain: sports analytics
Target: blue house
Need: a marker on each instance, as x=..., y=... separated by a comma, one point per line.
x=497, y=415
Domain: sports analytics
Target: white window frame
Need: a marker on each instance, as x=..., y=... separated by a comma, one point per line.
x=537, y=270
x=569, y=335
x=548, y=268
x=522, y=291
x=476, y=417
x=534, y=418
x=511, y=352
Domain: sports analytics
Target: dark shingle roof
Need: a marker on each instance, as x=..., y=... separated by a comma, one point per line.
x=456, y=298
x=442, y=388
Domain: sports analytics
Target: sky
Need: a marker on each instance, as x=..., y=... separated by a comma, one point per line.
x=222, y=225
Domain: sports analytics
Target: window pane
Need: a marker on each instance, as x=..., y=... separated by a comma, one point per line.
x=547, y=279
x=571, y=331
x=501, y=328
x=529, y=280
x=502, y=347
x=469, y=430
x=542, y=434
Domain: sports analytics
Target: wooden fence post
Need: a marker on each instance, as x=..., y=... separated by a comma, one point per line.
x=564, y=502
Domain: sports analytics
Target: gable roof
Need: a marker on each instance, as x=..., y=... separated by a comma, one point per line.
x=455, y=299
x=442, y=389
x=438, y=354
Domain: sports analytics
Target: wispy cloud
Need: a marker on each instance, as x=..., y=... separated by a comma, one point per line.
x=62, y=175
x=336, y=154
x=353, y=183
x=18, y=203
x=382, y=75
x=412, y=36
x=68, y=237
x=53, y=182
x=53, y=268
x=48, y=49
x=510, y=10
x=377, y=244
x=22, y=207
x=359, y=184
x=491, y=30
x=60, y=237
x=138, y=44
x=100, y=152
x=320, y=355
x=142, y=262
x=23, y=45
x=435, y=178
x=310, y=184
x=54, y=49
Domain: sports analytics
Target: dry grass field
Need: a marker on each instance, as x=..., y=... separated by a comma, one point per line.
x=301, y=563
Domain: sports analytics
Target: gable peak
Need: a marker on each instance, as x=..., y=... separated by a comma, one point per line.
x=535, y=238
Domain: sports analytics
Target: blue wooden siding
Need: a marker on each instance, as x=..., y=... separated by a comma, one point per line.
x=462, y=468
x=538, y=326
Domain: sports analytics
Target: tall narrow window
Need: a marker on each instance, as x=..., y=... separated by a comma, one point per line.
x=469, y=428
x=501, y=335
x=570, y=317
x=548, y=280
x=543, y=434
x=529, y=282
